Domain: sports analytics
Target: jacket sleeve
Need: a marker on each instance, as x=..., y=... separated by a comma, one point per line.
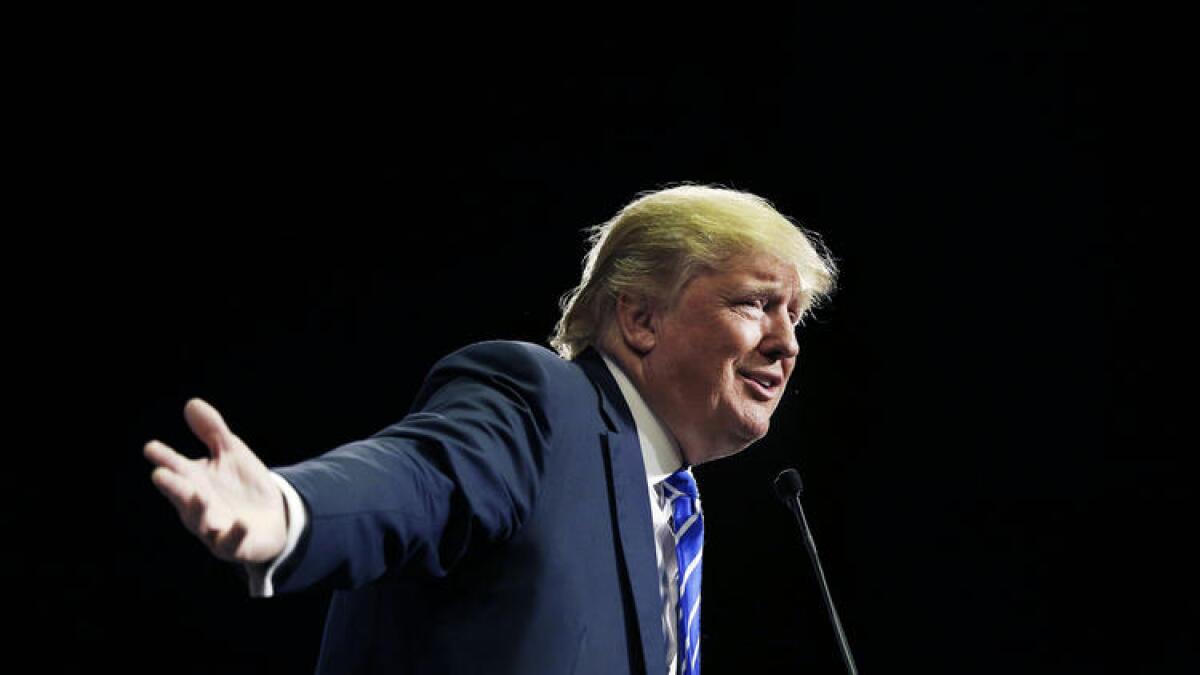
x=461, y=471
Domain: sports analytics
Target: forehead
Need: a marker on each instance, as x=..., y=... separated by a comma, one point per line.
x=757, y=271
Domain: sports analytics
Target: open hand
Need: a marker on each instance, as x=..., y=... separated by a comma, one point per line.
x=228, y=500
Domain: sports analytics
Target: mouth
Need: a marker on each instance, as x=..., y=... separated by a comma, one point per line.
x=764, y=386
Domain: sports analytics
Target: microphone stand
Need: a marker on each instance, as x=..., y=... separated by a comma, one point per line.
x=788, y=488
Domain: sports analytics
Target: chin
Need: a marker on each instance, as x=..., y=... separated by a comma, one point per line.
x=731, y=446
x=754, y=431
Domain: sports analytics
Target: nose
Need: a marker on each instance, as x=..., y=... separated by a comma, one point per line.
x=779, y=339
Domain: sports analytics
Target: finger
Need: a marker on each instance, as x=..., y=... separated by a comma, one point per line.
x=208, y=425
x=174, y=487
x=205, y=522
x=161, y=454
x=226, y=545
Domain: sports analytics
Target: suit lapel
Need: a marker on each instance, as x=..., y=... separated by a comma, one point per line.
x=631, y=509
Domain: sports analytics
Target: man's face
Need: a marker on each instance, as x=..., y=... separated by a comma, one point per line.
x=723, y=354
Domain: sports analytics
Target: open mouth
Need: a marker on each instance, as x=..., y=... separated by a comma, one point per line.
x=764, y=386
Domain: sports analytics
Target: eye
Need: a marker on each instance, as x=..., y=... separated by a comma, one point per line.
x=753, y=303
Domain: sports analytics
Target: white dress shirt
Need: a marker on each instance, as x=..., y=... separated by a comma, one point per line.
x=661, y=457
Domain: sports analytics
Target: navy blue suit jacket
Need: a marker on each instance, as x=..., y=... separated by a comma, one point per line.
x=503, y=526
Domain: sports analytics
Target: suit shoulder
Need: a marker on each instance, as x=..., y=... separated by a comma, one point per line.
x=510, y=349
x=507, y=354
x=535, y=366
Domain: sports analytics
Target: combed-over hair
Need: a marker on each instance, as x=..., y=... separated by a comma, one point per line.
x=663, y=239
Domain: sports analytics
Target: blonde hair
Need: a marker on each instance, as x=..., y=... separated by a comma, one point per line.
x=662, y=239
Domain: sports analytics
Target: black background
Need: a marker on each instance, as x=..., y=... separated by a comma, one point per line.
x=294, y=216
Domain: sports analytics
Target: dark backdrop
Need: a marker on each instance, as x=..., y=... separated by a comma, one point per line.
x=294, y=216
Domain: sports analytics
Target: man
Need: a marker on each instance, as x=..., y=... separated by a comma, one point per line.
x=536, y=513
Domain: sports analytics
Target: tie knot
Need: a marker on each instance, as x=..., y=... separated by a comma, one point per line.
x=682, y=481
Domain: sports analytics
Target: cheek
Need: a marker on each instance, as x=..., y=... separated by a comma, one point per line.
x=698, y=379
x=742, y=336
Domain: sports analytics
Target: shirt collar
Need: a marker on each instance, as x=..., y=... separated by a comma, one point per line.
x=660, y=451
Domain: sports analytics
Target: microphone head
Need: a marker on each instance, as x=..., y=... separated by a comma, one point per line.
x=788, y=485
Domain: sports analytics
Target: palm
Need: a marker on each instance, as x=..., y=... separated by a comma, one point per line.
x=228, y=500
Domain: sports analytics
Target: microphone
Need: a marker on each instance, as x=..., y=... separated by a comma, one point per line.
x=789, y=487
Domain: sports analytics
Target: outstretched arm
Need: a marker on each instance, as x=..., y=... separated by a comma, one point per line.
x=228, y=500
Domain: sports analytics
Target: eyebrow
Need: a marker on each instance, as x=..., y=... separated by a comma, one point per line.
x=758, y=287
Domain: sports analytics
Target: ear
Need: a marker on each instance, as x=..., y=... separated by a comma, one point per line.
x=637, y=321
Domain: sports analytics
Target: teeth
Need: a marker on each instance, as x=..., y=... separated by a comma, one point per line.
x=765, y=384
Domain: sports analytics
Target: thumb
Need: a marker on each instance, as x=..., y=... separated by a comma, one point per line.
x=208, y=426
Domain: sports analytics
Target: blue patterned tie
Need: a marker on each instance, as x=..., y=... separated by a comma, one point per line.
x=687, y=524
